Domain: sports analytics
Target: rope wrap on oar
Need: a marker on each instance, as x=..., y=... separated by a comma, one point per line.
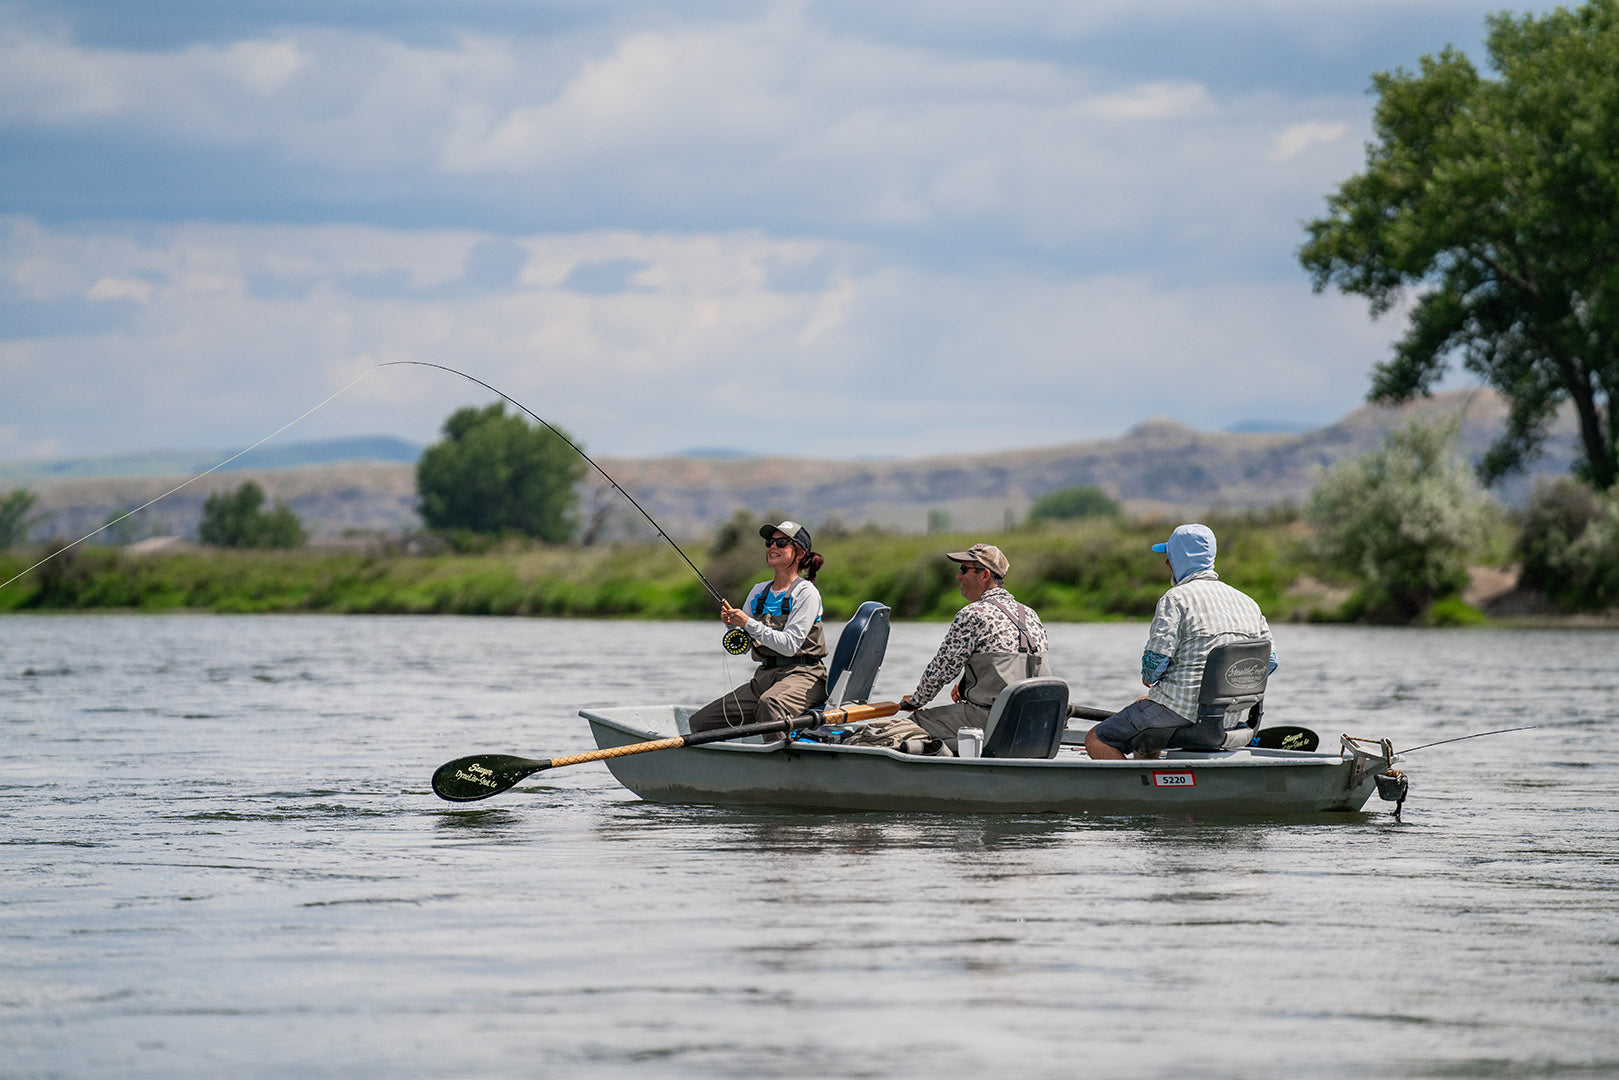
x=618, y=751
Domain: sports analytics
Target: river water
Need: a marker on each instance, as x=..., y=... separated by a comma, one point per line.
x=221, y=858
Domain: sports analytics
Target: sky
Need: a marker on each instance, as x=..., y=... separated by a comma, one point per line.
x=808, y=228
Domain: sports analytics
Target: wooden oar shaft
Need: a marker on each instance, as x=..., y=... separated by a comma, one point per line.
x=814, y=718
x=477, y=777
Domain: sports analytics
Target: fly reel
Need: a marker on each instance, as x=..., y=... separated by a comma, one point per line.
x=736, y=641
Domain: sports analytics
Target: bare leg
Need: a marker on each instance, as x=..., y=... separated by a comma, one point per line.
x=1099, y=750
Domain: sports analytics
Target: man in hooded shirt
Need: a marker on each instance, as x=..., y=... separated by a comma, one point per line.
x=1198, y=613
x=993, y=642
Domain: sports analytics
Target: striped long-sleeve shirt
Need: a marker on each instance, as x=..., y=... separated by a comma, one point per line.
x=1192, y=618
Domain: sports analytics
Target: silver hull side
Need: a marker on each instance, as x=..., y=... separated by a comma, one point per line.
x=866, y=778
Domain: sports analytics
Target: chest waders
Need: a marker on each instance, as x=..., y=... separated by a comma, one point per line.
x=988, y=673
x=813, y=651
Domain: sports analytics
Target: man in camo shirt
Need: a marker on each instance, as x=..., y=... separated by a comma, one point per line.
x=993, y=642
x=1198, y=613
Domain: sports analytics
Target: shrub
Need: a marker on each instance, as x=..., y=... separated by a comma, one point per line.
x=14, y=520
x=1074, y=502
x=1569, y=544
x=1403, y=519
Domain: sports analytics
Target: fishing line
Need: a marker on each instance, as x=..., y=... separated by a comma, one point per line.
x=736, y=642
x=188, y=483
x=1463, y=738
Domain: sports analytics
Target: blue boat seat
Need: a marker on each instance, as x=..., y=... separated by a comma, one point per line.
x=1230, y=701
x=858, y=656
x=1027, y=720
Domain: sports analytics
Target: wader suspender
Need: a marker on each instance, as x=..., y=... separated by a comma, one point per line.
x=786, y=602
x=1025, y=642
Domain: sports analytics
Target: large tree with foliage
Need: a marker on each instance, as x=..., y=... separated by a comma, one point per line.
x=1495, y=202
x=237, y=519
x=493, y=473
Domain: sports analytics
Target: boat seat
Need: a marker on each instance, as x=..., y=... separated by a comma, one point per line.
x=1230, y=701
x=1027, y=720
x=859, y=655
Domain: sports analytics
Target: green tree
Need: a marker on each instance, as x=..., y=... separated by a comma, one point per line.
x=235, y=519
x=1495, y=203
x=1074, y=502
x=1403, y=518
x=493, y=473
x=14, y=519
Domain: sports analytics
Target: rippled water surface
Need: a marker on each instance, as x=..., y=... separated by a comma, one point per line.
x=221, y=858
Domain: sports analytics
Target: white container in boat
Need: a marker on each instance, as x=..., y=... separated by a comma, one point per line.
x=970, y=742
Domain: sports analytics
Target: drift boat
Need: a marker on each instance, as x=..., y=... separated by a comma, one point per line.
x=1031, y=762
x=798, y=773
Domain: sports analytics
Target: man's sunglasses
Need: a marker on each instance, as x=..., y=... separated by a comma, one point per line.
x=963, y=569
x=778, y=541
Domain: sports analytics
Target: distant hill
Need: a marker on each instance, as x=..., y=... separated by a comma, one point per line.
x=1159, y=467
x=190, y=462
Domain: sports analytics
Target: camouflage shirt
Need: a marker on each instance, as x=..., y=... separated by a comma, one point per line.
x=980, y=627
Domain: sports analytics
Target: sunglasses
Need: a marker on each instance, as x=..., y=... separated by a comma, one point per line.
x=779, y=541
x=962, y=569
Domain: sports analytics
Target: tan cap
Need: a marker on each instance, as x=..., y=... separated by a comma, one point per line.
x=987, y=556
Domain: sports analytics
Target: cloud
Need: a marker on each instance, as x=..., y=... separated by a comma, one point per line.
x=1300, y=137
x=651, y=220
x=605, y=277
x=777, y=121
x=703, y=341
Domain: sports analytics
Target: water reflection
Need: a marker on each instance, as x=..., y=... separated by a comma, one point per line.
x=491, y=822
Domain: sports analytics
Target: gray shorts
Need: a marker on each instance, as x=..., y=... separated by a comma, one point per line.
x=1141, y=727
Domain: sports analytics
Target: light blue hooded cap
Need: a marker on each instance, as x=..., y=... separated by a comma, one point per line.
x=1190, y=549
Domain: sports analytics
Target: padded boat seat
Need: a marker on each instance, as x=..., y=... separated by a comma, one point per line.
x=859, y=655
x=1027, y=720
x=1229, y=702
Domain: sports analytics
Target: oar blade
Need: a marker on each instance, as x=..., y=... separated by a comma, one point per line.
x=468, y=779
x=1286, y=737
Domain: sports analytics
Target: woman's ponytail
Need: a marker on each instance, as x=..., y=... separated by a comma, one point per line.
x=810, y=565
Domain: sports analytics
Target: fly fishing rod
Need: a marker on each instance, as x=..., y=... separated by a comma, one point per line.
x=1464, y=738
x=736, y=641
x=576, y=449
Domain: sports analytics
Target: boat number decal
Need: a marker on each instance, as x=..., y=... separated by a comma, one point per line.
x=1173, y=779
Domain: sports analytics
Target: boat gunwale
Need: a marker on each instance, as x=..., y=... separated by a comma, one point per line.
x=1245, y=758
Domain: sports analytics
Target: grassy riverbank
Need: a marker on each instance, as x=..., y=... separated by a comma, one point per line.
x=1085, y=571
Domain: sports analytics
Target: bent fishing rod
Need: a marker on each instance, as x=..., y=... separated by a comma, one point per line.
x=715, y=593
x=736, y=641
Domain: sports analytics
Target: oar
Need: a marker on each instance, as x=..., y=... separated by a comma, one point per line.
x=482, y=775
x=1284, y=737
x=1279, y=737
